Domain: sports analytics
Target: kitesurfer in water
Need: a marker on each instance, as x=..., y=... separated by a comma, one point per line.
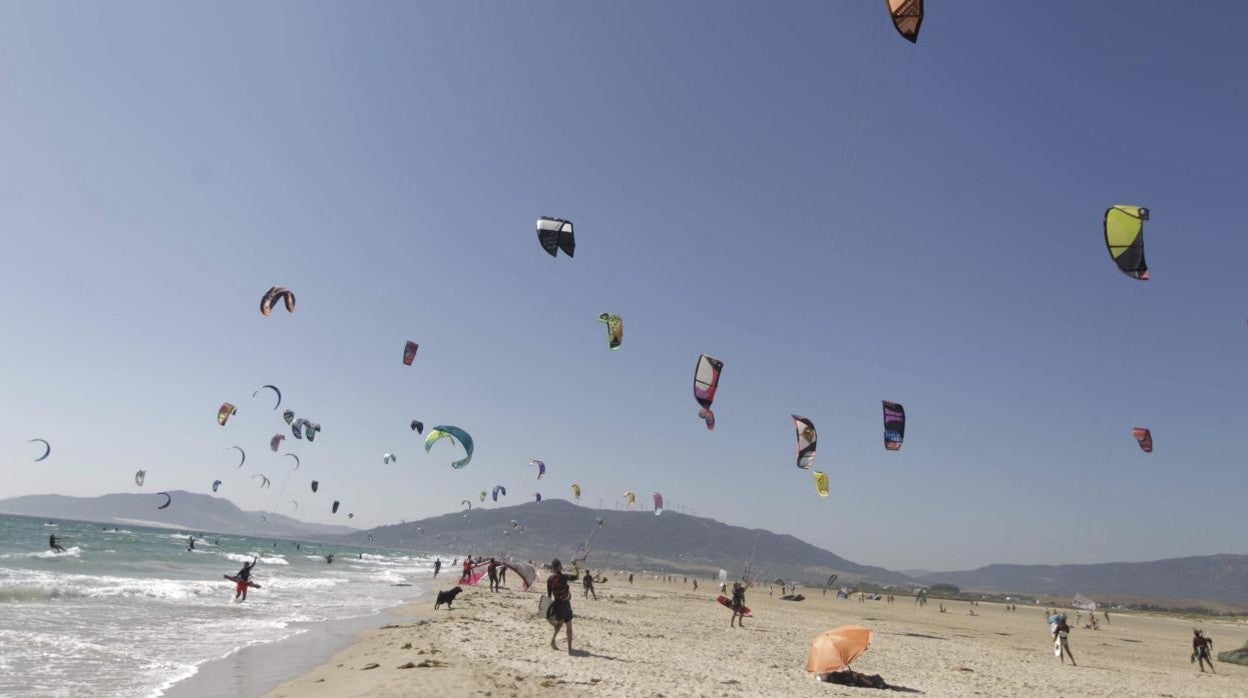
x=437, y=566
x=329, y=559
x=243, y=578
x=55, y=545
x=190, y=543
x=561, y=601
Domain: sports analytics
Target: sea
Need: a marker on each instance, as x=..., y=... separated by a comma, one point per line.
x=129, y=611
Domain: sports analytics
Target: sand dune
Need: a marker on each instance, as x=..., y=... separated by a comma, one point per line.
x=653, y=638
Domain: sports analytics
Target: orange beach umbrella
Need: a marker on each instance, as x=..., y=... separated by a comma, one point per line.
x=835, y=649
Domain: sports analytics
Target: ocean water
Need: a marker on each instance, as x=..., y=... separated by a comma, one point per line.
x=130, y=611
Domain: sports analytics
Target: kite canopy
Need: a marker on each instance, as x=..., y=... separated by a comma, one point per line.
x=1144, y=437
x=311, y=430
x=907, y=15
x=298, y=426
x=276, y=441
x=334, y=508
x=466, y=503
x=615, y=329
x=294, y=503
x=482, y=495
x=315, y=485
x=409, y=352
x=894, y=425
x=47, y=448
x=264, y=481
x=541, y=468
x=1083, y=603
x=455, y=434
x=836, y=649
x=289, y=416
x=215, y=485
x=631, y=497
x=168, y=500
x=705, y=383
x=273, y=295
x=537, y=496
x=139, y=477
x=555, y=234
x=499, y=489
x=291, y=455
x=389, y=458
x=418, y=426
x=276, y=392
x=242, y=455
x=831, y=581
x=658, y=503
x=708, y=416
x=1124, y=236
x=224, y=412
x=821, y=483
x=576, y=490
x=807, y=439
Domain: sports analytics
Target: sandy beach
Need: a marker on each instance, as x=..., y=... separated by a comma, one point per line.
x=655, y=638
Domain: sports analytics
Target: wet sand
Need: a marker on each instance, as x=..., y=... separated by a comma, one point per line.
x=653, y=638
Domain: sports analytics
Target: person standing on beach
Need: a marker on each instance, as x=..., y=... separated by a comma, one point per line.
x=630, y=577
x=1202, y=649
x=502, y=574
x=492, y=570
x=55, y=545
x=587, y=580
x=695, y=583
x=561, y=601
x=1061, y=635
x=738, y=604
x=437, y=566
x=467, y=571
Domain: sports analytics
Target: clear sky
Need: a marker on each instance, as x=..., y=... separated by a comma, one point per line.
x=840, y=216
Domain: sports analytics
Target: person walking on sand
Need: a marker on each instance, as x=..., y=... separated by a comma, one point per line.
x=1061, y=640
x=695, y=583
x=630, y=577
x=55, y=545
x=1202, y=650
x=502, y=574
x=587, y=580
x=738, y=605
x=492, y=571
x=561, y=601
x=437, y=566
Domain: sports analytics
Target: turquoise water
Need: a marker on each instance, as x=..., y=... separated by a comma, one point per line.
x=129, y=611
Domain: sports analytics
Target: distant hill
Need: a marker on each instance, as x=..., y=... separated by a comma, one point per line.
x=189, y=511
x=627, y=539
x=1213, y=577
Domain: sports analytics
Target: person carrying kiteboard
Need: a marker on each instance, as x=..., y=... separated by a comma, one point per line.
x=242, y=580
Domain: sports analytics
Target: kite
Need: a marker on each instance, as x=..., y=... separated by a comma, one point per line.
x=264, y=519
x=297, y=427
x=409, y=352
x=831, y=581
x=807, y=439
x=264, y=481
x=223, y=414
x=274, y=294
x=1144, y=437
x=350, y=516
x=705, y=383
x=388, y=458
x=631, y=497
x=276, y=392
x=139, y=477
x=894, y=425
x=1083, y=603
x=821, y=483
x=168, y=500
x=334, y=508
x=1124, y=236
x=311, y=430
x=47, y=448
x=466, y=503
x=537, y=496
x=295, y=503
x=658, y=503
x=907, y=15
x=615, y=329
x=541, y=468
x=576, y=490
x=215, y=485
x=289, y=416
x=455, y=434
x=482, y=495
x=555, y=234
x=499, y=489
x=315, y=485
x=276, y=441
x=418, y=426
x=291, y=455
x=242, y=455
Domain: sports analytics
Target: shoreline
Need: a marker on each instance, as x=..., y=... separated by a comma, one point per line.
x=253, y=670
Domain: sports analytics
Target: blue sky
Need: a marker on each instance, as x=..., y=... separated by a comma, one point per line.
x=838, y=215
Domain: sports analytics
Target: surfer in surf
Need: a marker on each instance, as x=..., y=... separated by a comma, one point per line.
x=437, y=566
x=738, y=605
x=243, y=579
x=53, y=544
x=190, y=543
x=561, y=601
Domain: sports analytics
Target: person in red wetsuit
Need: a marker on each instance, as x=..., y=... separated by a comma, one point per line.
x=561, y=601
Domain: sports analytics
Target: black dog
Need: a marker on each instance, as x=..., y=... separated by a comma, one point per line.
x=447, y=597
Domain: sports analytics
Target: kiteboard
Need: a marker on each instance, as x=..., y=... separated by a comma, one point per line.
x=1057, y=647
x=543, y=607
x=727, y=602
x=236, y=580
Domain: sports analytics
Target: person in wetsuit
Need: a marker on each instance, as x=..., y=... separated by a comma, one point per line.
x=1202, y=649
x=502, y=574
x=437, y=566
x=190, y=543
x=492, y=570
x=738, y=603
x=561, y=601
x=587, y=580
x=243, y=577
x=55, y=545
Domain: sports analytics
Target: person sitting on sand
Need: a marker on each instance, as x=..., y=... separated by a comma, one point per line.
x=1202, y=649
x=738, y=605
x=492, y=571
x=587, y=580
x=561, y=601
x=243, y=579
x=55, y=545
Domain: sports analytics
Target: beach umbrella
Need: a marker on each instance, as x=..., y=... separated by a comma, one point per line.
x=835, y=649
